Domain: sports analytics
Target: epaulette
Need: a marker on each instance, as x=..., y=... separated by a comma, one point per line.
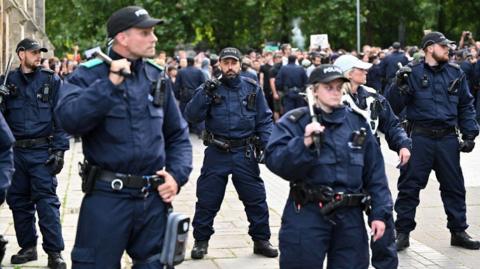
x=455, y=65
x=355, y=112
x=414, y=63
x=369, y=89
x=92, y=63
x=296, y=114
x=250, y=80
x=152, y=62
x=51, y=72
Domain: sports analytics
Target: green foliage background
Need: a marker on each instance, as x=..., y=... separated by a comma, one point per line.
x=250, y=23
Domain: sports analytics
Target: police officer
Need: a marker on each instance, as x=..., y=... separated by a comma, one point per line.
x=323, y=214
x=6, y=170
x=38, y=155
x=188, y=79
x=437, y=100
x=238, y=124
x=377, y=112
x=291, y=80
x=389, y=65
x=136, y=147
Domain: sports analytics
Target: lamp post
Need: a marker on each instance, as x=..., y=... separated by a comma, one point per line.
x=358, y=26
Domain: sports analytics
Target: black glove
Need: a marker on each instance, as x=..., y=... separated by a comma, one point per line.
x=401, y=78
x=55, y=161
x=467, y=144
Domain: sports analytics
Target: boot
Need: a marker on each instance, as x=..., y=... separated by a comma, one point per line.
x=462, y=239
x=403, y=241
x=200, y=248
x=55, y=261
x=25, y=255
x=263, y=247
x=3, y=247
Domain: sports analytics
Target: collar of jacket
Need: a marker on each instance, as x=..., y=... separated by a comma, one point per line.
x=337, y=116
x=136, y=65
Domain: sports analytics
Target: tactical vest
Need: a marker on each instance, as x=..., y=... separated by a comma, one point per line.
x=370, y=115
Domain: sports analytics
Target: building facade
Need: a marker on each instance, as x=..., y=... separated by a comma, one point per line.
x=21, y=19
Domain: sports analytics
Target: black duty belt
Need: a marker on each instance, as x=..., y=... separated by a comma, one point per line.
x=224, y=142
x=295, y=90
x=433, y=132
x=119, y=181
x=28, y=143
x=326, y=198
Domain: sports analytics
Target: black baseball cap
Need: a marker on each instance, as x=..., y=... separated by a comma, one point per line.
x=435, y=38
x=326, y=73
x=29, y=44
x=230, y=52
x=396, y=45
x=128, y=17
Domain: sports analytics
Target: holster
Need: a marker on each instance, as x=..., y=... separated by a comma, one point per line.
x=328, y=200
x=407, y=126
x=88, y=173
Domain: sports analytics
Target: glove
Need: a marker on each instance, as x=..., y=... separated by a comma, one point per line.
x=401, y=77
x=55, y=161
x=467, y=144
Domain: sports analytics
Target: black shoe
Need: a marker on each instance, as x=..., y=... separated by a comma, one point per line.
x=462, y=239
x=403, y=241
x=3, y=248
x=200, y=248
x=24, y=255
x=263, y=247
x=55, y=261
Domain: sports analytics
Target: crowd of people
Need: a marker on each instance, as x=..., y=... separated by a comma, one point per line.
x=312, y=117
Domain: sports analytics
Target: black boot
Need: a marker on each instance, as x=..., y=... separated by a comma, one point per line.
x=55, y=261
x=462, y=239
x=25, y=255
x=200, y=248
x=263, y=247
x=403, y=241
x=3, y=247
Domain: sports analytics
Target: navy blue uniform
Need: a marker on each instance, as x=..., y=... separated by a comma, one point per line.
x=30, y=115
x=187, y=81
x=249, y=74
x=384, y=252
x=232, y=119
x=122, y=131
x=389, y=65
x=306, y=236
x=374, y=78
x=291, y=80
x=6, y=158
x=435, y=107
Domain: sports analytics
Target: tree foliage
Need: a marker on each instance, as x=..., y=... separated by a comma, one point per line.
x=250, y=23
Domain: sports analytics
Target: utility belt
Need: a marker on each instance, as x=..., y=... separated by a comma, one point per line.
x=433, y=133
x=29, y=143
x=252, y=144
x=328, y=200
x=91, y=173
x=223, y=143
x=295, y=90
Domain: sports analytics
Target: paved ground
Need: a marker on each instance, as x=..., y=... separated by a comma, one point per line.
x=231, y=247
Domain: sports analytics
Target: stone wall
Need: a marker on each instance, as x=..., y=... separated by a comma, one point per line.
x=20, y=19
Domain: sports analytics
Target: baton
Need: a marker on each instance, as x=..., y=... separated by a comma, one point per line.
x=108, y=61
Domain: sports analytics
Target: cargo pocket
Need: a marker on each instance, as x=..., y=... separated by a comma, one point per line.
x=156, y=117
x=115, y=124
x=44, y=112
x=83, y=255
